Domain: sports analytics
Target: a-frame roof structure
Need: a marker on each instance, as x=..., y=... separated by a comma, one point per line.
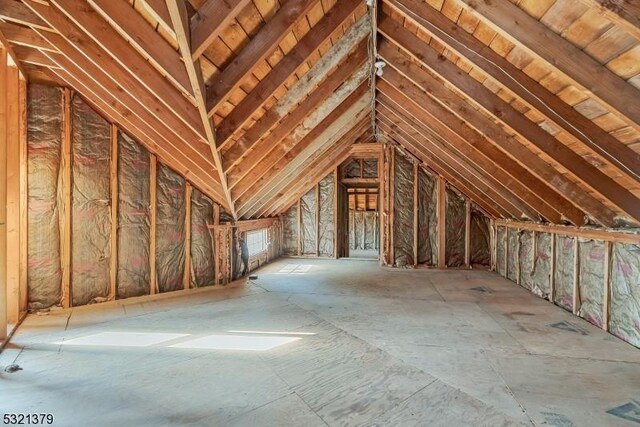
x=529, y=107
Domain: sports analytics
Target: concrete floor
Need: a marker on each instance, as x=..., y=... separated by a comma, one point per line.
x=349, y=344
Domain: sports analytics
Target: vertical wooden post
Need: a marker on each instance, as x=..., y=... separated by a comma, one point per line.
x=392, y=195
x=534, y=250
x=517, y=256
x=24, y=293
x=3, y=194
x=576, y=276
x=216, y=243
x=186, y=277
x=337, y=227
x=467, y=234
x=65, y=233
x=494, y=246
x=607, y=286
x=318, y=219
x=153, y=201
x=415, y=213
x=552, y=279
x=300, y=249
x=113, y=276
x=11, y=97
x=442, y=211
x=506, y=252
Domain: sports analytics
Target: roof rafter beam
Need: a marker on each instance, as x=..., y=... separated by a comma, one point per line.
x=510, y=189
x=24, y=36
x=443, y=169
x=180, y=21
x=518, y=82
x=473, y=90
x=259, y=48
x=518, y=26
x=350, y=120
x=210, y=20
x=625, y=13
x=450, y=110
x=290, y=147
x=326, y=95
x=498, y=195
x=283, y=70
x=455, y=131
x=18, y=13
x=139, y=33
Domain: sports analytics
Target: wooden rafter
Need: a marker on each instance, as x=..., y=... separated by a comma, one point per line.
x=209, y=21
x=443, y=169
x=179, y=19
x=312, y=110
x=265, y=89
x=625, y=13
x=24, y=36
x=472, y=174
x=139, y=33
x=257, y=50
x=587, y=173
x=18, y=13
x=445, y=123
x=511, y=77
x=515, y=24
x=290, y=148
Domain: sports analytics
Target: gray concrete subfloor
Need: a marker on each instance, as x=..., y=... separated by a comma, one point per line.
x=325, y=342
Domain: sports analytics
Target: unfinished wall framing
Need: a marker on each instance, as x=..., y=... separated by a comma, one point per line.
x=431, y=223
x=592, y=273
x=106, y=219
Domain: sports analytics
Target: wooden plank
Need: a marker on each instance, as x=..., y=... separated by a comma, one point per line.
x=24, y=262
x=28, y=55
x=318, y=219
x=509, y=145
x=299, y=227
x=153, y=218
x=258, y=49
x=626, y=14
x=606, y=303
x=587, y=233
x=3, y=195
x=552, y=261
x=186, y=277
x=125, y=55
x=442, y=212
x=158, y=9
x=516, y=25
x=12, y=193
x=113, y=271
x=209, y=22
x=609, y=188
x=337, y=220
x=467, y=233
x=415, y=213
x=511, y=77
x=65, y=231
x=302, y=51
x=179, y=18
x=576, y=276
x=443, y=168
x=146, y=39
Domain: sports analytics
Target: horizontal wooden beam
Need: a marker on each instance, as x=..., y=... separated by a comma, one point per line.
x=511, y=77
x=18, y=13
x=587, y=233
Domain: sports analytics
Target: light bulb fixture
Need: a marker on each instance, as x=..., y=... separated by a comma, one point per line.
x=379, y=66
x=369, y=3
